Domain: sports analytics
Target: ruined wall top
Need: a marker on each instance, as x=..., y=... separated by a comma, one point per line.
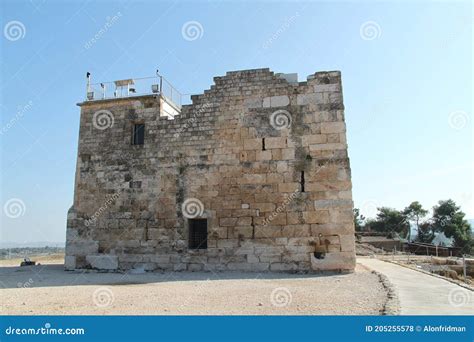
x=231, y=83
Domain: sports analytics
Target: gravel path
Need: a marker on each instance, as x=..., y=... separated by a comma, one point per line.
x=423, y=294
x=47, y=289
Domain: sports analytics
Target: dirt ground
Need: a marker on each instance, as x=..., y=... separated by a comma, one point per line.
x=40, y=259
x=48, y=289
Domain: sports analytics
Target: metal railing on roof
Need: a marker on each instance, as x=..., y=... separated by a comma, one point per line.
x=133, y=87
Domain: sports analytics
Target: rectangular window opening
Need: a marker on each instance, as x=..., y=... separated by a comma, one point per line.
x=138, y=134
x=302, y=181
x=263, y=144
x=197, y=233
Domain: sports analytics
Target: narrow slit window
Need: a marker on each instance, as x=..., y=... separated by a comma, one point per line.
x=197, y=234
x=302, y=181
x=263, y=144
x=138, y=134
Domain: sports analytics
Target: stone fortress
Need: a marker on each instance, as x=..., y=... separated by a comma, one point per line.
x=254, y=175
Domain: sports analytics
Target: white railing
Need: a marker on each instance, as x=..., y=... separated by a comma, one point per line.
x=134, y=87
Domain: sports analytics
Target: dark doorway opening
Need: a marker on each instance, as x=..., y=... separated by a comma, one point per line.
x=197, y=233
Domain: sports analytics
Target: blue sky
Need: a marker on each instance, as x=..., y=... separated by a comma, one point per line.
x=406, y=68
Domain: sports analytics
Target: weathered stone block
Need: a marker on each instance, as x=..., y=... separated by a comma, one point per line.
x=327, y=147
x=275, y=143
x=347, y=243
x=69, y=262
x=264, y=207
x=334, y=261
x=252, y=144
x=228, y=243
x=280, y=266
x=336, y=87
x=244, y=221
x=160, y=259
x=338, y=203
x=333, y=127
x=268, y=258
x=78, y=247
x=228, y=221
x=311, y=98
x=103, y=262
x=307, y=140
x=276, y=101
x=245, y=232
x=264, y=155
x=288, y=187
x=253, y=179
x=253, y=103
x=318, y=216
x=341, y=216
x=287, y=154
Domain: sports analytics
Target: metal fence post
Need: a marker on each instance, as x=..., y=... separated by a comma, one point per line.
x=464, y=267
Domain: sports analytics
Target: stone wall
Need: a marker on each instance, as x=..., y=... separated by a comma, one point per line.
x=263, y=159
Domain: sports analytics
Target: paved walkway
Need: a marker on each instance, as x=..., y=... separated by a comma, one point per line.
x=422, y=294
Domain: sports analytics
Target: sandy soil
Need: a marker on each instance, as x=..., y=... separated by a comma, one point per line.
x=40, y=259
x=48, y=289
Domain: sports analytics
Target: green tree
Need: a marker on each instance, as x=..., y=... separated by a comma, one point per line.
x=358, y=220
x=425, y=232
x=449, y=219
x=415, y=212
x=391, y=221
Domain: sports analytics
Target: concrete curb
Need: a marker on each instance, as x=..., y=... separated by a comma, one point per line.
x=431, y=274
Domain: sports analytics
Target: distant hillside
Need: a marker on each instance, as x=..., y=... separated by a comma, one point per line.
x=38, y=244
x=12, y=253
